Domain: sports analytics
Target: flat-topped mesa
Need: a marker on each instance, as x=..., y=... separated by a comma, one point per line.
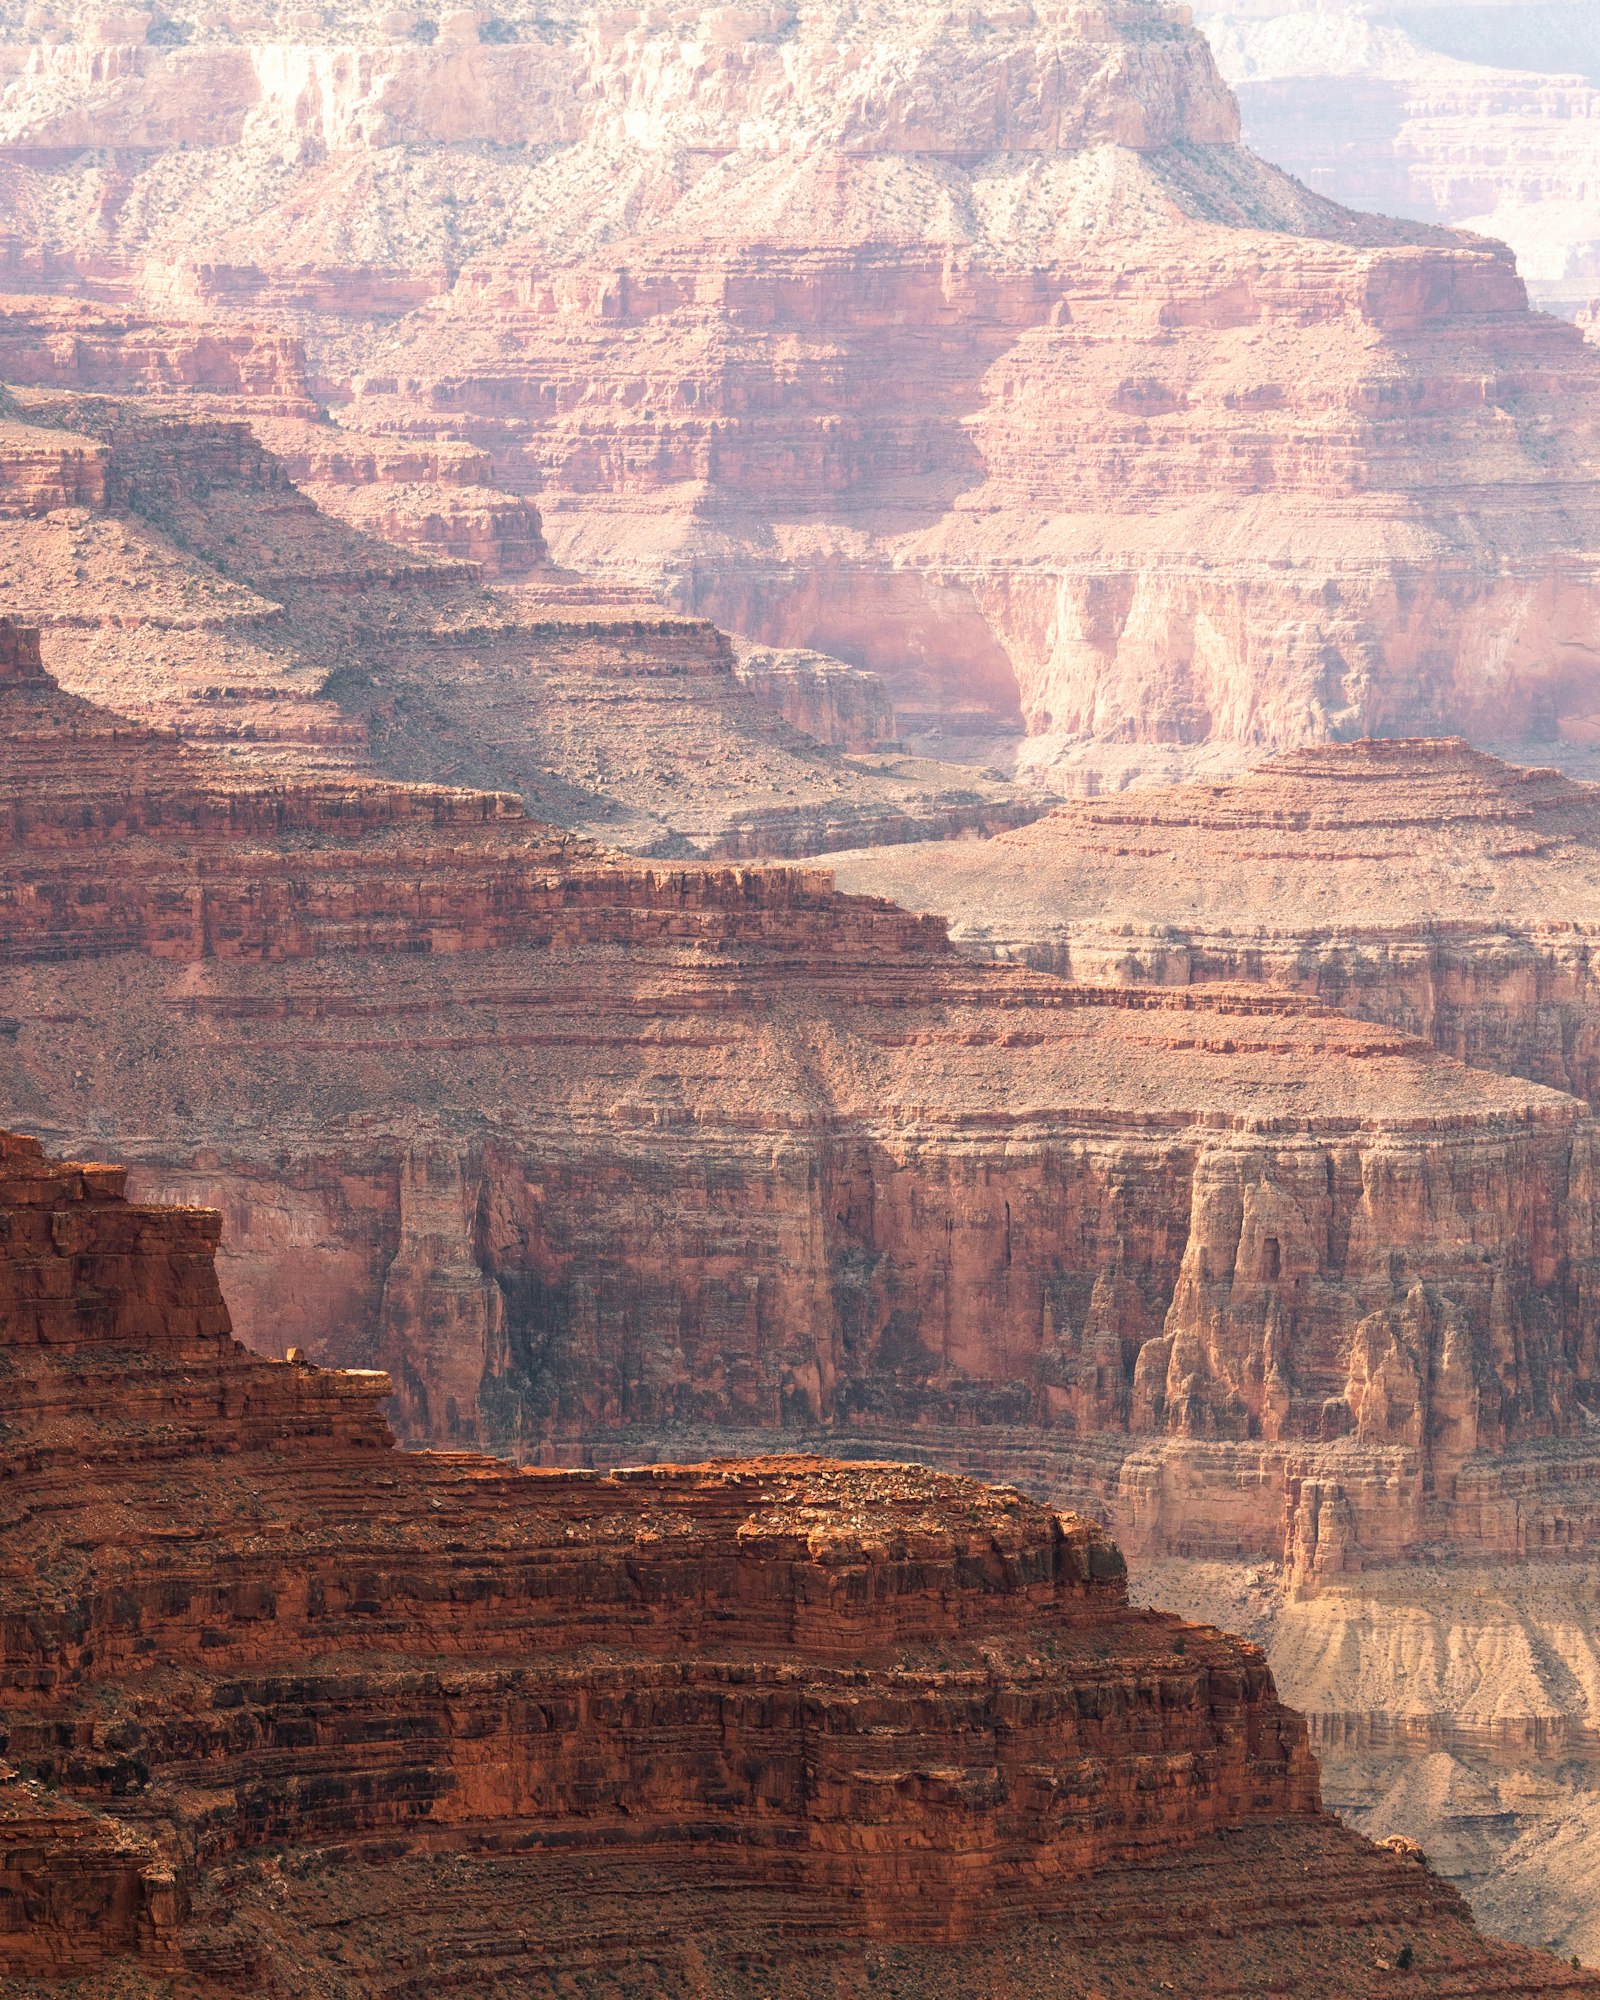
x=559, y=1724
x=1418, y=882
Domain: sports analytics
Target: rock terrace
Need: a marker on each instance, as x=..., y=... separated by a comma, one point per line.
x=1420, y=883
x=254, y=1659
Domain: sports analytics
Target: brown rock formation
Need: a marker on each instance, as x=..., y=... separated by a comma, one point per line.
x=234, y=1623
x=822, y=696
x=1419, y=883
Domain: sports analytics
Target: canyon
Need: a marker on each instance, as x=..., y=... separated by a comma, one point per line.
x=975, y=352
x=821, y=1726
x=471, y=487
x=600, y=1158
x=1435, y=888
x=1478, y=113
x=179, y=572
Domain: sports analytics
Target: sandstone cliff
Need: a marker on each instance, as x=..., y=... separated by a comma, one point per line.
x=1419, y=883
x=974, y=351
x=271, y=1685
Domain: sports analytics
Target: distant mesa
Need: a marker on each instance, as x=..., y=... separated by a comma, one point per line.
x=1417, y=882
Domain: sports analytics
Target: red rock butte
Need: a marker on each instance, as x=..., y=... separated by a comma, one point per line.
x=1420, y=883
x=268, y=1679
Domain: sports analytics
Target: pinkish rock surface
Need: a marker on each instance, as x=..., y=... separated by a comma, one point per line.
x=976, y=352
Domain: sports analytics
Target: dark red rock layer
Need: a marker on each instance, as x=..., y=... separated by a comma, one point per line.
x=233, y=1620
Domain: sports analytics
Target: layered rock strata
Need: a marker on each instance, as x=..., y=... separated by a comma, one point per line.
x=599, y=1159
x=184, y=577
x=1486, y=116
x=975, y=352
x=911, y=1708
x=1424, y=884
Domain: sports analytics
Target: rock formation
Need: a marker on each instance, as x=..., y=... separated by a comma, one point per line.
x=604, y=1160
x=1423, y=884
x=976, y=352
x=182, y=575
x=1484, y=116
x=281, y=1702
x=1431, y=886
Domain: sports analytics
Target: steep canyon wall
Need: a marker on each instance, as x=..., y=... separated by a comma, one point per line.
x=292, y=1703
x=598, y=1159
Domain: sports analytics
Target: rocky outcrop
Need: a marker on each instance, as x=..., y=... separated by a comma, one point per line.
x=915, y=1709
x=822, y=696
x=436, y=496
x=941, y=348
x=1420, y=883
x=51, y=342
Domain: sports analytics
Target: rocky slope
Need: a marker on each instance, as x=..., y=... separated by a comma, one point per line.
x=181, y=574
x=1420, y=883
x=287, y=1709
x=1455, y=1701
x=1480, y=113
x=976, y=351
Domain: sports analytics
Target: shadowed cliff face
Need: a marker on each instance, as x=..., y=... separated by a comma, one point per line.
x=264, y=1675
x=975, y=351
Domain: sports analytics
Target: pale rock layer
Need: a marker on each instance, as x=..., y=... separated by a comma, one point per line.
x=976, y=353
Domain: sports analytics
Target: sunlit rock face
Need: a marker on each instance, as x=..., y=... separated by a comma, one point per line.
x=974, y=350
x=1478, y=113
